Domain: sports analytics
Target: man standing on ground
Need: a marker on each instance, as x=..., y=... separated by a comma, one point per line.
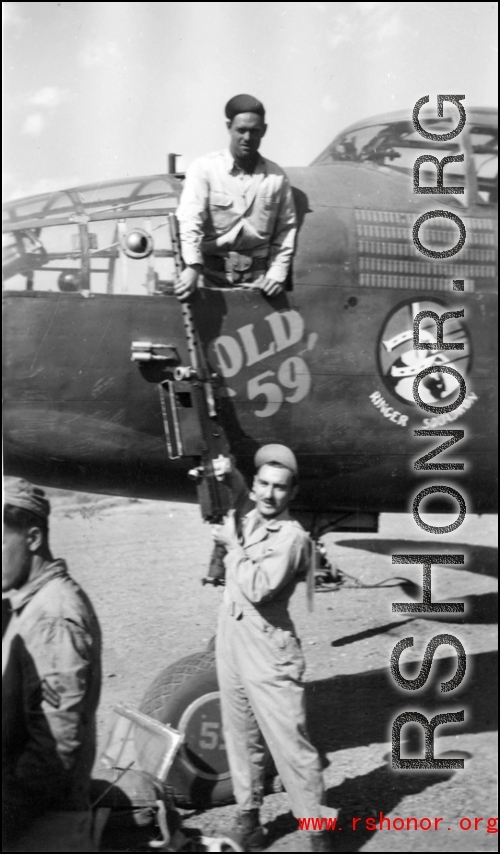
x=236, y=215
x=51, y=675
x=260, y=664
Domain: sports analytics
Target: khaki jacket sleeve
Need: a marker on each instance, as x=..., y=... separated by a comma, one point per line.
x=240, y=493
x=261, y=579
x=56, y=675
x=285, y=233
x=192, y=213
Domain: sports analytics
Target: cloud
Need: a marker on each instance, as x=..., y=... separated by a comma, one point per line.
x=34, y=124
x=343, y=31
x=97, y=54
x=47, y=100
x=329, y=104
x=368, y=23
x=49, y=97
x=12, y=16
x=388, y=28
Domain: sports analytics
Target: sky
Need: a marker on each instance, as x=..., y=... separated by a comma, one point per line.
x=97, y=91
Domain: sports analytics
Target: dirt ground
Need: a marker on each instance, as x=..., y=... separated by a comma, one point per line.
x=141, y=563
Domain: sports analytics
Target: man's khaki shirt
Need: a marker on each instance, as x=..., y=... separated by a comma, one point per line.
x=263, y=570
x=224, y=210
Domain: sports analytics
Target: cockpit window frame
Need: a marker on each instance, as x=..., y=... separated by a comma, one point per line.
x=476, y=121
x=144, y=202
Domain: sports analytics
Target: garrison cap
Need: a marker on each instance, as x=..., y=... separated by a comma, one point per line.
x=244, y=104
x=276, y=454
x=27, y=496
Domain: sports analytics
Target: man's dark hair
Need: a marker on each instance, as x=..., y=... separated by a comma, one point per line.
x=244, y=104
x=21, y=519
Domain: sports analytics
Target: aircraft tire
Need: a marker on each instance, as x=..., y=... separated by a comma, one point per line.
x=186, y=696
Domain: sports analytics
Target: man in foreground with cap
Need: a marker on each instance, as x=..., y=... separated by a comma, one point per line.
x=51, y=676
x=260, y=664
x=236, y=214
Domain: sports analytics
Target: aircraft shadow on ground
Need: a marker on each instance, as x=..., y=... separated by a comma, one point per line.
x=482, y=560
x=480, y=609
x=358, y=709
x=379, y=791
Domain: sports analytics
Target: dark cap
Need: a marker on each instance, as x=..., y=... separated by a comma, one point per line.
x=244, y=104
x=276, y=454
x=27, y=496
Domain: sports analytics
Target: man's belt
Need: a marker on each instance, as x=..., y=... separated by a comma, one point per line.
x=275, y=613
x=237, y=266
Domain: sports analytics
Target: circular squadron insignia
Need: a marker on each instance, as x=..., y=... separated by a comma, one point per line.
x=399, y=363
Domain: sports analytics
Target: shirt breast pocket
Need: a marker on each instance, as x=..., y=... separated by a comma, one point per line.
x=267, y=208
x=220, y=205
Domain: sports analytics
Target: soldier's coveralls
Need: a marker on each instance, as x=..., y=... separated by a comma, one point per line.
x=51, y=677
x=260, y=665
x=240, y=227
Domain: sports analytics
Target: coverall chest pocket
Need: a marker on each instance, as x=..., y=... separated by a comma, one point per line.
x=267, y=208
x=220, y=205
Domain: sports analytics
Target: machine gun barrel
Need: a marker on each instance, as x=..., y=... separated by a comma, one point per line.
x=214, y=497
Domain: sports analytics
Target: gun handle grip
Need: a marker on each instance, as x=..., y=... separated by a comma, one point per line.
x=217, y=570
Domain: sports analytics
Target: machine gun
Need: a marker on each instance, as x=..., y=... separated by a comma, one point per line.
x=215, y=497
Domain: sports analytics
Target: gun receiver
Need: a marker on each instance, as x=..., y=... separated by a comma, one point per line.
x=214, y=497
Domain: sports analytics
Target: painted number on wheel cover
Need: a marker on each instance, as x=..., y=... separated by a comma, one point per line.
x=204, y=749
x=211, y=736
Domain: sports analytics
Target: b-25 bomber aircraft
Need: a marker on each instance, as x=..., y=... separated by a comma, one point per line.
x=105, y=391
